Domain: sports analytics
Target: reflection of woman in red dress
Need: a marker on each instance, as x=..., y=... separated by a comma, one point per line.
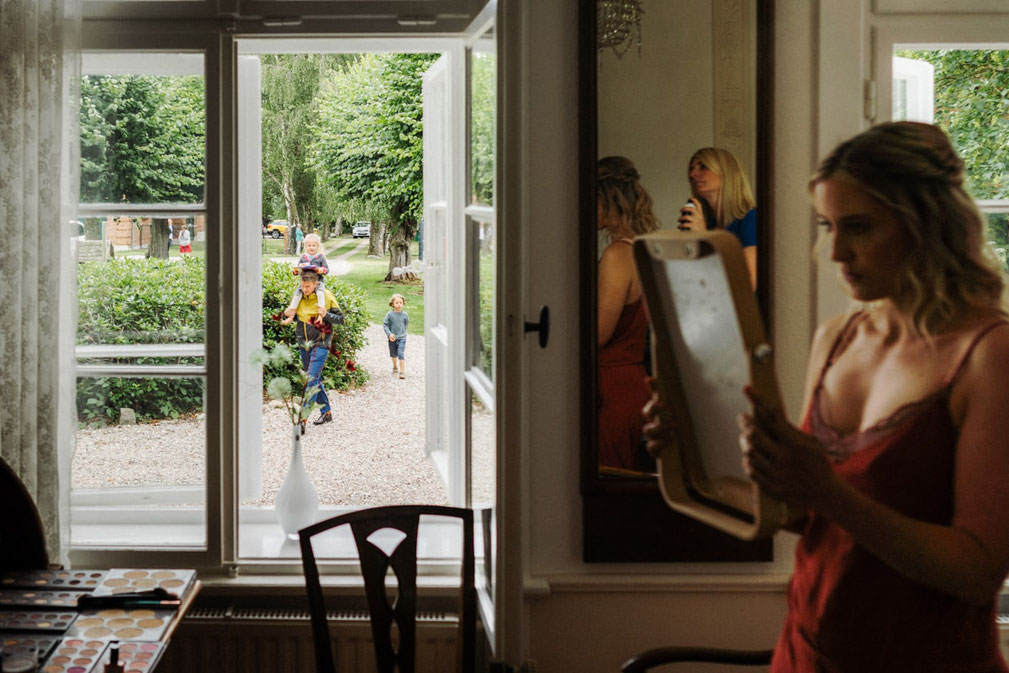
x=624, y=211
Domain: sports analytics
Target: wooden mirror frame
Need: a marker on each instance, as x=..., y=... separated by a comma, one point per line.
x=626, y=519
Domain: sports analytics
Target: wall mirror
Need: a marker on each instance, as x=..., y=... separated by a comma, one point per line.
x=656, y=85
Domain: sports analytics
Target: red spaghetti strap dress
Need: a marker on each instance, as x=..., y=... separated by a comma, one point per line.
x=623, y=388
x=848, y=612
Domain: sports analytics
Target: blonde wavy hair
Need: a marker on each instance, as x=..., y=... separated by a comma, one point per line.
x=621, y=194
x=736, y=196
x=912, y=168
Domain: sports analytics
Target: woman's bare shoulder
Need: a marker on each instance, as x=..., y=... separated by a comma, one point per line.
x=827, y=334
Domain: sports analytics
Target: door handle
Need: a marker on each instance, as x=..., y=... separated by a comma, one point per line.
x=543, y=326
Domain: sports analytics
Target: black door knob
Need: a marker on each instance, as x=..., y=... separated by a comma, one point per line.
x=543, y=326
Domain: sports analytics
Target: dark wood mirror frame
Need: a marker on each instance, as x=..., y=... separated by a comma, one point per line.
x=626, y=519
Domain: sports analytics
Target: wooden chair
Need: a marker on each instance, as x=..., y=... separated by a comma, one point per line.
x=400, y=614
x=22, y=538
x=661, y=656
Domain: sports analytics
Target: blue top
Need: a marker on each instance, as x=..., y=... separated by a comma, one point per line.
x=745, y=228
x=395, y=324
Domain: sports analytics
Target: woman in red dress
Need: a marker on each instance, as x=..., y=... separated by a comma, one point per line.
x=898, y=476
x=624, y=211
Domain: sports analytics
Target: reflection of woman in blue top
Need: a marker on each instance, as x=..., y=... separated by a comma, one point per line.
x=721, y=198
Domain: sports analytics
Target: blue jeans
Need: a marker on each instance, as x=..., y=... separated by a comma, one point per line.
x=312, y=361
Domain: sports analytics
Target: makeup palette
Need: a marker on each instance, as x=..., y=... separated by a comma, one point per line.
x=126, y=580
x=136, y=657
x=121, y=624
x=81, y=580
x=35, y=620
x=39, y=598
x=75, y=655
x=26, y=645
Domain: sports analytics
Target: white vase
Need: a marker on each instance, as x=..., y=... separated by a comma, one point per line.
x=297, y=502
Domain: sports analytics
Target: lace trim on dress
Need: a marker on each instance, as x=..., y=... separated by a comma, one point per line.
x=839, y=446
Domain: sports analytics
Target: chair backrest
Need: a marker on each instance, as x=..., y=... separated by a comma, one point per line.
x=401, y=613
x=661, y=656
x=22, y=538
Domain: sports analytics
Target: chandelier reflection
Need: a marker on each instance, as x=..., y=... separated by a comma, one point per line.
x=618, y=25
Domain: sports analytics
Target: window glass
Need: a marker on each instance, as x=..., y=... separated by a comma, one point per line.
x=139, y=240
x=483, y=268
x=964, y=92
x=143, y=129
x=483, y=79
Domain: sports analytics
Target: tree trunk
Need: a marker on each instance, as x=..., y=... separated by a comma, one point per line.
x=399, y=248
x=158, y=247
x=376, y=240
x=291, y=204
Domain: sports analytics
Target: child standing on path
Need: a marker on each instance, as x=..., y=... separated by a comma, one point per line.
x=313, y=257
x=395, y=324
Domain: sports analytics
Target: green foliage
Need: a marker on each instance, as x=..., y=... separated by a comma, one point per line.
x=137, y=300
x=293, y=189
x=142, y=301
x=152, y=301
x=340, y=371
x=369, y=142
x=142, y=139
x=483, y=79
x=972, y=105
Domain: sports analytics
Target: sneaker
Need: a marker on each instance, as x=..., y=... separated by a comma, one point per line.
x=395, y=371
x=402, y=375
x=323, y=418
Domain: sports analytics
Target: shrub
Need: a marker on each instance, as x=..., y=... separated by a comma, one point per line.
x=340, y=372
x=156, y=301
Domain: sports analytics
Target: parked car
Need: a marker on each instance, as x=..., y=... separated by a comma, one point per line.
x=277, y=228
x=361, y=230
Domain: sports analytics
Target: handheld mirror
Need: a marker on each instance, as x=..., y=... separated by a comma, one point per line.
x=708, y=344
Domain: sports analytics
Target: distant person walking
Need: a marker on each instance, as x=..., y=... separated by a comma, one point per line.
x=299, y=236
x=185, y=242
x=395, y=324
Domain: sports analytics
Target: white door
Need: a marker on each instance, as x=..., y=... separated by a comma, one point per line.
x=438, y=271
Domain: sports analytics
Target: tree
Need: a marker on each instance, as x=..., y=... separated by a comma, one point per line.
x=290, y=84
x=972, y=105
x=142, y=141
x=369, y=143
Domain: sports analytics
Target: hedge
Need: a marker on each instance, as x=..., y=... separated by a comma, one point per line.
x=135, y=300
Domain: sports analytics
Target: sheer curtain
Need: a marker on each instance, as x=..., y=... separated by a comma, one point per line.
x=39, y=75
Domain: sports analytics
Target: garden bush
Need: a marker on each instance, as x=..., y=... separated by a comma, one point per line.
x=154, y=301
x=340, y=372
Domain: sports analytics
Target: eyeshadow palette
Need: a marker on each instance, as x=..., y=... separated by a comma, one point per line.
x=35, y=620
x=39, y=598
x=136, y=657
x=119, y=624
x=80, y=580
x=75, y=655
x=126, y=580
x=26, y=645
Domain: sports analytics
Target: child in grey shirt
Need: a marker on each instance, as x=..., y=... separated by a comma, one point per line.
x=395, y=324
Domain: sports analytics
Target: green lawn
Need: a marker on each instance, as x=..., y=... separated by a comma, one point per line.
x=367, y=273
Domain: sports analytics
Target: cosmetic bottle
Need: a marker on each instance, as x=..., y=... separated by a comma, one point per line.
x=114, y=666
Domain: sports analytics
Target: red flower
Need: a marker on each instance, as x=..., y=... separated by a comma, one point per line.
x=350, y=366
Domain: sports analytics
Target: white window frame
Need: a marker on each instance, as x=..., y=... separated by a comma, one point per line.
x=226, y=249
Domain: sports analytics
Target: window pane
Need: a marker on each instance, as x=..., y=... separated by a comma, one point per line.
x=998, y=236
x=140, y=442
x=483, y=77
x=483, y=256
x=142, y=126
x=136, y=282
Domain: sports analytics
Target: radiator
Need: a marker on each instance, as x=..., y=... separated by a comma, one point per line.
x=231, y=640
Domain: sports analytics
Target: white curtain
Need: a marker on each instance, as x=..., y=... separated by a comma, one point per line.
x=39, y=156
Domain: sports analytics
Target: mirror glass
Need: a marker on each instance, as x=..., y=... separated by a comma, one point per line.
x=683, y=81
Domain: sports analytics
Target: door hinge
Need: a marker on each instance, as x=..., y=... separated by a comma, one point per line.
x=869, y=100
